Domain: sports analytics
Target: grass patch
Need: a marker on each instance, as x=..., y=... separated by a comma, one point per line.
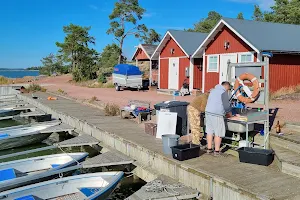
x=35, y=88
x=4, y=81
x=61, y=91
x=285, y=91
x=111, y=109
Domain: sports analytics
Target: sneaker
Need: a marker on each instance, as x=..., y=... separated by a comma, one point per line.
x=209, y=151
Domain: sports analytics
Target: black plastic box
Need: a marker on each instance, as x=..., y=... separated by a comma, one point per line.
x=256, y=156
x=185, y=151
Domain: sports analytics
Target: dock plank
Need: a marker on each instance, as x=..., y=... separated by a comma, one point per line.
x=110, y=158
x=81, y=140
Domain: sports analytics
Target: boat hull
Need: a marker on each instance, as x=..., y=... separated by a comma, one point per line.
x=23, y=141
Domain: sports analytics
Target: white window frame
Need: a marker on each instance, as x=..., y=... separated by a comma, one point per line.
x=245, y=53
x=218, y=62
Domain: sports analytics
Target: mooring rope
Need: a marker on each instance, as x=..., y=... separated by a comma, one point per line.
x=157, y=186
x=78, y=163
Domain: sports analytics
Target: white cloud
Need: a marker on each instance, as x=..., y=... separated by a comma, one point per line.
x=263, y=4
x=93, y=7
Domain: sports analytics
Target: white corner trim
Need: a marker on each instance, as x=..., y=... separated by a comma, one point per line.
x=162, y=41
x=222, y=21
x=218, y=63
x=191, y=71
x=207, y=38
x=158, y=80
x=203, y=72
x=167, y=33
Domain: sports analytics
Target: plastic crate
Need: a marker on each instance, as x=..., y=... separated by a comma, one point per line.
x=256, y=156
x=185, y=151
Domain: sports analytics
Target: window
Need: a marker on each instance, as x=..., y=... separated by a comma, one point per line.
x=212, y=64
x=246, y=57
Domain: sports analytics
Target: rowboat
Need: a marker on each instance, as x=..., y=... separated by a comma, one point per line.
x=24, y=135
x=31, y=170
x=87, y=186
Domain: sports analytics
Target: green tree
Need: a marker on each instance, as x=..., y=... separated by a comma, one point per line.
x=152, y=37
x=125, y=19
x=240, y=16
x=257, y=14
x=207, y=24
x=51, y=64
x=109, y=58
x=76, y=51
x=284, y=11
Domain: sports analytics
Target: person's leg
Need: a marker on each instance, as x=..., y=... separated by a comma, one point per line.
x=194, y=121
x=209, y=132
x=218, y=141
x=209, y=139
x=220, y=133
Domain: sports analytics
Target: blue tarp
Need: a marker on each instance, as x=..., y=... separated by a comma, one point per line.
x=126, y=69
x=29, y=197
x=3, y=135
x=7, y=174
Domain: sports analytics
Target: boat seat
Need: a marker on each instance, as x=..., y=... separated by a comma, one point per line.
x=89, y=191
x=55, y=165
x=3, y=135
x=7, y=174
x=29, y=197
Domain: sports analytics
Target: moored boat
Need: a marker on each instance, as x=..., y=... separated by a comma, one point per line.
x=86, y=186
x=24, y=135
x=31, y=170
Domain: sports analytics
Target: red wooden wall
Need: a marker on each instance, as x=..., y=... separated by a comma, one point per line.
x=141, y=55
x=198, y=68
x=217, y=47
x=164, y=63
x=284, y=71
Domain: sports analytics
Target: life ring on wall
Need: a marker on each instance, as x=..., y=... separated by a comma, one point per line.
x=251, y=96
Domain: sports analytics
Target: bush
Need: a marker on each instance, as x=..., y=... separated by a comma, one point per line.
x=102, y=78
x=111, y=110
x=35, y=88
x=285, y=91
x=61, y=91
x=3, y=80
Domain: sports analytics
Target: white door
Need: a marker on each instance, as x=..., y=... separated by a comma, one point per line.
x=173, y=73
x=224, y=66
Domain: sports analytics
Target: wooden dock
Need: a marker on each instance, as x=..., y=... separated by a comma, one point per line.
x=82, y=140
x=223, y=178
x=164, y=188
x=110, y=158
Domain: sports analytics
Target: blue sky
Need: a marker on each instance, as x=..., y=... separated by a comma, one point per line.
x=30, y=28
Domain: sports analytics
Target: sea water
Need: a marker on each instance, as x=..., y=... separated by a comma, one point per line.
x=18, y=73
x=129, y=183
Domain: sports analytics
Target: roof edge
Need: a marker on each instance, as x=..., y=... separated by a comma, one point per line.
x=222, y=21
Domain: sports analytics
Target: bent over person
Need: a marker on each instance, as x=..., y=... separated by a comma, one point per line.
x=217, y=107
x=194, y=111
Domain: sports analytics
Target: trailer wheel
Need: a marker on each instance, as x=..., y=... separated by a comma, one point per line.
x=117, y=87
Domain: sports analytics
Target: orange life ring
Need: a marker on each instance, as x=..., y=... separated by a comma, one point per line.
x=254, y=81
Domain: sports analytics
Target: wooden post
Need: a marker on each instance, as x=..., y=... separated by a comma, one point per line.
x=150, y=74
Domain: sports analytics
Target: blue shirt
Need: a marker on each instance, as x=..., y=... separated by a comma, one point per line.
x=218, y=101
